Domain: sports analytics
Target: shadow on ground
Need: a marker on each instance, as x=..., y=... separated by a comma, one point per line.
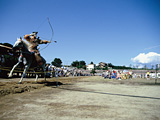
x=47, y=83
x=105, y=93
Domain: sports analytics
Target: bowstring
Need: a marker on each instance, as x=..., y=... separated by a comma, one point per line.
x=41, y=24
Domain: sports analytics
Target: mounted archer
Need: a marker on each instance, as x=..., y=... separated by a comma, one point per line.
x=34, y=41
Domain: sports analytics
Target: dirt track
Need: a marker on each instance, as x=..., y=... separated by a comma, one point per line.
x=90, y=98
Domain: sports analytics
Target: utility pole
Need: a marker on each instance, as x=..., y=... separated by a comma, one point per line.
x=156, y=74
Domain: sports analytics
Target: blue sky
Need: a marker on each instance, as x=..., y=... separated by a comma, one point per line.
x=111, y=31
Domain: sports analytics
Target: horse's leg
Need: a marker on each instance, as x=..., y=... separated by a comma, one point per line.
x=19, y=61
x=27, y=65
x=36, y=77
x=10, y=74
x=24, y=73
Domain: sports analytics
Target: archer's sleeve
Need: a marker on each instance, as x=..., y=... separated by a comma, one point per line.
x=39, y=41
x=42, y=41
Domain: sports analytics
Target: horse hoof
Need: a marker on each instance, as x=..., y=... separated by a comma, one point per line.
x=10, y=76
x=19, y=82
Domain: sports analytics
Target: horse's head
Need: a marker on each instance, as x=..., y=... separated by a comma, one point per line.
x=20, y=44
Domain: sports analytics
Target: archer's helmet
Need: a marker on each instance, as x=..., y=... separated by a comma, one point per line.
x=33, y=33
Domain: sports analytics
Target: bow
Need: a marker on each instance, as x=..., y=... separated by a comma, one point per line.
x=51, y=36
x=51, y=29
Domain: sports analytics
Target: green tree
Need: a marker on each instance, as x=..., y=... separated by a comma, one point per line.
x=8, y=44
x=82, y=64
x=110, y=65
x=57, y=62
x=106, y=68
x=91, y=63
x=79, y=64
x=75, y=63
x=93, y=71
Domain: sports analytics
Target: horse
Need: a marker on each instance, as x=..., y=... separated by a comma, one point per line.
x=27, y=58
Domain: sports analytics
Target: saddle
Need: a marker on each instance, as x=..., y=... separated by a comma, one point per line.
x=39, y=59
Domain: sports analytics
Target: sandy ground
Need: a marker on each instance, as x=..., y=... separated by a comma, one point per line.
x=80, y=98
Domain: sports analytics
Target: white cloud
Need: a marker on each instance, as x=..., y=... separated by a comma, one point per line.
x=149, y=58
x=152, y=47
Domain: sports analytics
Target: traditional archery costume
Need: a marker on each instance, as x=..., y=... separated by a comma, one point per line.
x=33, y=43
